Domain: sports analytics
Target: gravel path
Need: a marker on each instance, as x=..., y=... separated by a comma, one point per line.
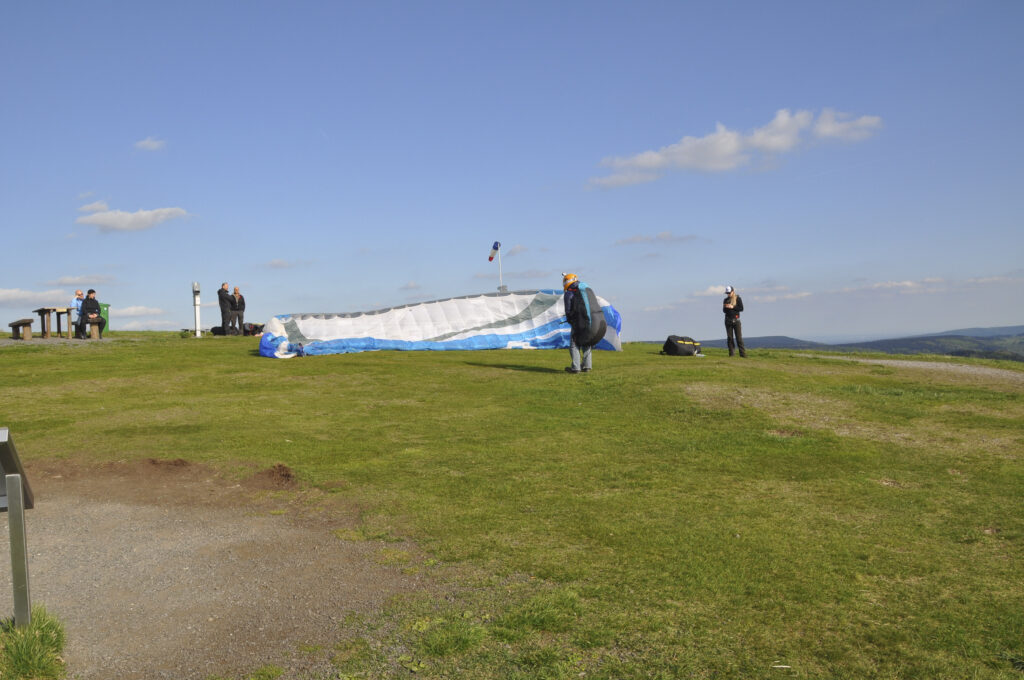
x=984, y=372
x=166, y=571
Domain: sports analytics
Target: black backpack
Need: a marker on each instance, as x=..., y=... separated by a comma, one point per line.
x=588, y=322
x=680, y=346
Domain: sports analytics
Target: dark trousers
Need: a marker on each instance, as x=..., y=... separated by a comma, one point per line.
x=731, y=328
x=225, y=319
x=236, y=321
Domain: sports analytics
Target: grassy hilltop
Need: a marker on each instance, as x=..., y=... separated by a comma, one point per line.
x=786, y=515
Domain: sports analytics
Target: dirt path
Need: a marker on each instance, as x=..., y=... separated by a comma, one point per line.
x=166, y=571
x=986, y=373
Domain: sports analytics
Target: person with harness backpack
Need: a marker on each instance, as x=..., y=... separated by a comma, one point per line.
x=732, y=306
x=584, y=314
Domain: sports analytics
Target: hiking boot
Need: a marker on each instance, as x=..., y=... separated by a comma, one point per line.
x=570, y=369
x=585, y=370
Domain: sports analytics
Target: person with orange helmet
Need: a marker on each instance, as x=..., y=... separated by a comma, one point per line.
x=584, y=314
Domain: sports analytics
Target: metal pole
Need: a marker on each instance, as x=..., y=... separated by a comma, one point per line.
x=195, y=303
x=19, y=551
x=501, y=284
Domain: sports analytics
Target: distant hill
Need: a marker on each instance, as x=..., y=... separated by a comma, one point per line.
x=1006, y=342
x=770, y=342
x=980, y=332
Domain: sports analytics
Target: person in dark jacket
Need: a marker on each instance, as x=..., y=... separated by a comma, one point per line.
x=237, y=312
x=91, y=313
x=224, y=298
x=732, y=306
x=572, y=298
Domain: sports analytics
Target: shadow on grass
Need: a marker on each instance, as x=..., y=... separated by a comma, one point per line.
x=514, y=367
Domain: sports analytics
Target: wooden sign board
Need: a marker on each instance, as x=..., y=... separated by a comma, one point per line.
x=10, y=464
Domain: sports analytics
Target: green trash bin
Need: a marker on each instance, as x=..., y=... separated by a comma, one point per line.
x=105, y=313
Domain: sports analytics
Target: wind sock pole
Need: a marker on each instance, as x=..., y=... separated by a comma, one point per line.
x=501, y=283
x=496, y=250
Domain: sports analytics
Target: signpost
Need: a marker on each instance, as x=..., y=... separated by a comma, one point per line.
x=15, y=498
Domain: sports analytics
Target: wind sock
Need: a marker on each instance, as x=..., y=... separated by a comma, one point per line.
x=494, y=251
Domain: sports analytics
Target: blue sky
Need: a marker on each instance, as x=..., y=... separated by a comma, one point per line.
x=853, y=169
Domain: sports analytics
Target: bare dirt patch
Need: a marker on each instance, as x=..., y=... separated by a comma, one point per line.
x=964, y=373
x=801, y=411
x=163, y=569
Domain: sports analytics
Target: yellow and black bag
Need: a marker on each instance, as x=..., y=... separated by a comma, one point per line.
x=680, y=346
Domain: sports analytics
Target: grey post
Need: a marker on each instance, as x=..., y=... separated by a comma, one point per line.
x=15, y=498
x=19, y=551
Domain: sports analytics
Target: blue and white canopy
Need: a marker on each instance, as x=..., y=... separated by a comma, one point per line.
x=531, y=319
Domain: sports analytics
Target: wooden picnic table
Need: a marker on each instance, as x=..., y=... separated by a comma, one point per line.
x=46, y=317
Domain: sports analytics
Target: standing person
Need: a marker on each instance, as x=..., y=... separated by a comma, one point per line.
x=224, y=298
x=238, y=312
x=732, y=305
x=76, y=304
x=91, y=312
x=585, y=316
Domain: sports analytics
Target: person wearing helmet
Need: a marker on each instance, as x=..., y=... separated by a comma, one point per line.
x=573, y=308
x=732, y=306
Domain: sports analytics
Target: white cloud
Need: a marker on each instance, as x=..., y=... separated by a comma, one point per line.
x=287, y=264
x=776, y=298
x=724, y=149
x=119, y=220
x=515, y=250
x=146, y=325
x=711, y=290
x=661, y=237
x=924, y=286
x=96, y=206
x=783, y=133
x=15, y=297
x=837, y=125
x=150, y=144
x=81, y=281
x=412, y=285
x=714, y=152
x=624, y=178
x=527, y=274
x=993, y=279
x=136, y=311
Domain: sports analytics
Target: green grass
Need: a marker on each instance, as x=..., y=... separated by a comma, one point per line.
x=32, y=652
x=657, y=518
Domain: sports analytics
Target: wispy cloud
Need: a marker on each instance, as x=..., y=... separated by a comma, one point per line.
x=150, y=144
x=835, y=125
x=711, y=291
x=927, y=285
x=119, y=220
x=526, y=274
x=780, y=296
x=661, y=237
x=724, y=149
x=78, y=281
x=411, y=285
x=515, y=250
x=96, y=206
x=147, y=325
x=287, y=264
x=137, y=310
x=16, y=297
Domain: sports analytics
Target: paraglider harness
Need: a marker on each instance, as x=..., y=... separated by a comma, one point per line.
x=585, y=316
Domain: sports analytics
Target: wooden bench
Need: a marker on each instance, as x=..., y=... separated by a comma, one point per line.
x=94, y=329
x=21, y=329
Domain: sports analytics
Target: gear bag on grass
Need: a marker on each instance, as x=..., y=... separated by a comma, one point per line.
x=681, y=346
x=588, y=323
